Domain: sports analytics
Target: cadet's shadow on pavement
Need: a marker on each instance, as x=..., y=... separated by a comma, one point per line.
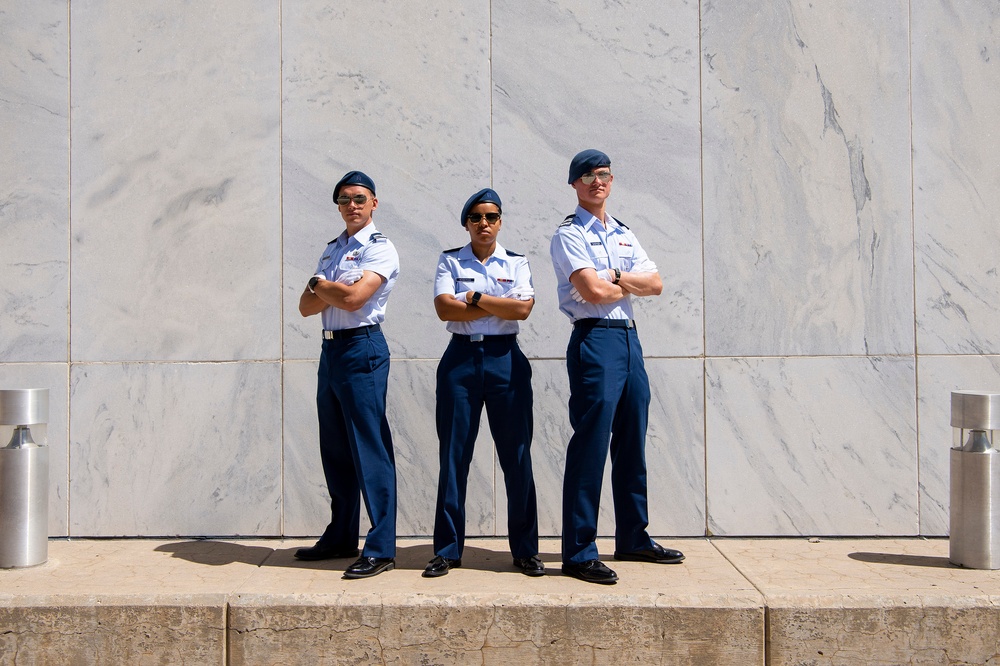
x=903, y=560
x=211, y=552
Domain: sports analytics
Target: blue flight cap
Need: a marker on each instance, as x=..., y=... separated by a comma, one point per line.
x=353, y=178
x=485, y=195
x=587, y=160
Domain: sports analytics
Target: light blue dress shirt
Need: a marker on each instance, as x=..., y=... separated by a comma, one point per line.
x=460, y=271
x=583, y=242
x=368, y=250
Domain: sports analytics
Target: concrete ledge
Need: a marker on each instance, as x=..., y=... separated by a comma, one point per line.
x=773, y=601
x=487, y=612
x=876, y=601
x=113, y=633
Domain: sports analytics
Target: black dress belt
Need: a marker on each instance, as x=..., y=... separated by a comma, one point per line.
x=479, y=337
x=605, y=323
x=344, y=333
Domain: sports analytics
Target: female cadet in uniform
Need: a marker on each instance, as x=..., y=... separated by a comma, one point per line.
x=482, y=290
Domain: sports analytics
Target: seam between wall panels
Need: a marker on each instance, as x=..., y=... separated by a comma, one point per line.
x=69, y=252
x=281, y=280
x=704, y=290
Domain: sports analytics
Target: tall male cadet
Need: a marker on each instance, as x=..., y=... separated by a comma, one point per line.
x=600, y=267
x=351, y=287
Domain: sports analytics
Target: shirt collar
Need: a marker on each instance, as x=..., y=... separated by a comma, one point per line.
x=499, y=253
x=589, y=220
x=361, y=238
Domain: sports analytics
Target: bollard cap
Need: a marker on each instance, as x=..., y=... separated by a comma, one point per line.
x=24, y=406
x=975, y=410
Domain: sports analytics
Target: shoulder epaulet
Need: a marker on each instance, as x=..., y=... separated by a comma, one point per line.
x=454, y=249
x=620, y=223
x=332, y=242
x=568, y=221
x=377, y=237
x=511, y=253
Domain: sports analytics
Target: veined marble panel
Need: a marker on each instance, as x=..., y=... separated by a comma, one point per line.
x=175, y=449
x=54, y=377
x=956, y=175
x=175, y=180
x=34, y=166
x=816, y=446
x=675, y=453
x=305, y=500
x=808, y=246
x=400, y=91
x=623, y=78
x=675, y=450
x=410, y=409
x=938, y=377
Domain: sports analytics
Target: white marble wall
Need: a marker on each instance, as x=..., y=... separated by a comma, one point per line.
x=808, y=242
x=956, y=173
x=175, y=448
x=175, y=198
x=818, y=185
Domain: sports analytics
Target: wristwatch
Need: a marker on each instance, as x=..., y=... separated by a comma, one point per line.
x=475, y=297
x=312, y=283
x=618, y=276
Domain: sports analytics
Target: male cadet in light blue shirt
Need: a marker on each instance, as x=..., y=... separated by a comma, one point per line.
x=351, y=287
x=599, y=267
x=482, y=290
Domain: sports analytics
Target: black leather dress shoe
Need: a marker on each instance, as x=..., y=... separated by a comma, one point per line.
x=366, y=567
x=439, y=566
x=591, y=571
x=318, y=552
x=657, y=554
x=530, y=566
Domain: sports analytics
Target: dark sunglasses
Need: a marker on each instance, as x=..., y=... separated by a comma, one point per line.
x=359, y=199
x=492, y=218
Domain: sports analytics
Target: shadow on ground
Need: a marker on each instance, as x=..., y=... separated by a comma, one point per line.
x=903, y=560
x=211, y=552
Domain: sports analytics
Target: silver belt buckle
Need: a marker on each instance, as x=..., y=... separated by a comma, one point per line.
x=476, y=337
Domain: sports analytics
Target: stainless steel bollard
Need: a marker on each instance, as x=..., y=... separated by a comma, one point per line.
x=24, y=480
x=975, y=480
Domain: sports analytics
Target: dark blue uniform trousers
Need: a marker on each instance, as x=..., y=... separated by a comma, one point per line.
x=608, y=406
x=493, y=372
x=355, y=443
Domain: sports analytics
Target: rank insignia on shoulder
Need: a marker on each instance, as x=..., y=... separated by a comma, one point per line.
x=568, y=221
x=377, y=237
x=454, y=249
x=620, y=222
x=511, y=253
